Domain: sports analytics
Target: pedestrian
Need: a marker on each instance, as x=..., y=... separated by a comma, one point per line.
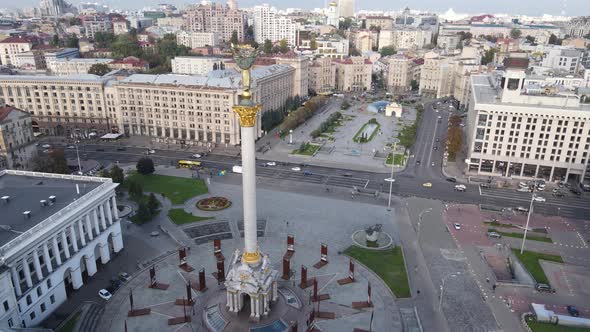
x=488, y=280
x=494, y=288
x=418, y=292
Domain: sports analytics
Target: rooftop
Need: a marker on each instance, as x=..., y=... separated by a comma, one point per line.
x=48, y=78
x=25, y=194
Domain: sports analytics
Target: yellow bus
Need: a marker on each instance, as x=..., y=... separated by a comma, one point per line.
x=188, y=163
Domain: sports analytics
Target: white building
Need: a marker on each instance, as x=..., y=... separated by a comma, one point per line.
x=12, y=46
x=448, y=42
x=63, y=226
x=269, y=25
x=329, y=46
x=63, y=67
x=567, y=60
x=332, y=15
x=519, y=132
x=405, y=38
x=196, y=65
x=194, y=39
x=346, y=8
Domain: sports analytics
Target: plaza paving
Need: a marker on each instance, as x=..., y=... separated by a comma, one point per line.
x=312, y=220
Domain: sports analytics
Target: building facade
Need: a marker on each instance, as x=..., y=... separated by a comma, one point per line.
x=379, y=22
x=526, y=134
x=269, y=25
x=195, y=39
x=217, y=18
x=17, y=142
x=63, y=67
x=322, y=76
x=11, y=46
x=353, y=74
x=346, y=8
x=405, y=38
x=448, y=42
x=67, y=235
x=398, y=72
x=59, y=105
x=578, y=26
x=565, y=59
x=96, y=23
x=196, y=65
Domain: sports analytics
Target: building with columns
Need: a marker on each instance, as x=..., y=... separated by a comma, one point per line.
x=518, y=129
x=63, y=227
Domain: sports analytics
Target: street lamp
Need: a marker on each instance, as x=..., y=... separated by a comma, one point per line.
x=391, y=180
x=290, y=136
x=528, y=218
x=442, y=287
x=78, y=156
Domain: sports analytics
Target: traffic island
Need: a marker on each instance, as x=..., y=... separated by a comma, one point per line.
x=213, y=204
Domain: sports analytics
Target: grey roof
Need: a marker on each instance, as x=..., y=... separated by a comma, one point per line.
x=228, y=78
x=67, y=78
x=26, y=192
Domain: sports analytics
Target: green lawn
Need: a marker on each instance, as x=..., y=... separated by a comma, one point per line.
x=497, y=224
x=388, y=264
x=180, y=217
x=69, y=325
x=530, y=260
x=176, y=189
x=517, y=235
x=309, y=150
x=545, y=327
x=397, y=159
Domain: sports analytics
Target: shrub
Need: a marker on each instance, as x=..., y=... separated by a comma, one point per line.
x=145, y=166
x=316, y=133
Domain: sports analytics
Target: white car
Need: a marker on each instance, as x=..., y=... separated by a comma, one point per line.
x=105, y=294
x=523, y=190
x=46, y=146
x=151, y=151
x=71, y=147
x=539, y=199
x=196, y=155
x=271, y=163
x=460, y=187
x=296, y=169
x=457, y=226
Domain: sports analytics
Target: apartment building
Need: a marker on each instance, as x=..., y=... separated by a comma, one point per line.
x=120, y=25
x=194, y=39
x=213, y=17
x=363, y=40
x=96, y=23
x=11, y=46
x=269, y=25
x=398, y=72
x=448, y=42
x=194, y=109
x=43, y=56
x=379, y=22
x=353, y=74
x=322, y=76
x=196, y=65
x=578, y=26
x=564, y=59
x=59, y=105
x=430, y=74
x=330, y=46
x=65, y=228
x=17, y=142
x=63, y=67
x=518, y=132
x=405, y=38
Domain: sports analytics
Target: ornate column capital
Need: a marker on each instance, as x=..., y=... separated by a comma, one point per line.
x=247, y=114
x=251, y=257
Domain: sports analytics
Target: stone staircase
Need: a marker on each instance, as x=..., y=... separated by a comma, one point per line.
x=89, y=318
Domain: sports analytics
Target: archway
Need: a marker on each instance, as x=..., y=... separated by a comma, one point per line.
x=246, y=308
x=84, y=269
x=111, y=243
x=68, y=284
x=97, y=257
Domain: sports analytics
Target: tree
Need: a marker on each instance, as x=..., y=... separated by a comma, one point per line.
x=153, y=204
x=488, y=56
x=55, y=40
x=117, y=174
x=73, y=41
x=345, y=24
x=554, y=40
x=387, y=50
x=75, y=21
x=249, y=33
x=363, y=24
x=125, y=45
x=354, y=52
x=313, y=44
x=414, y=84
x=99, y=69
x=143, y=213
x=515, y=33
x=59, y=162
x=530, y=39
x=145, y=166
x=135, y=189
x=267, y=47
x=103, y=39
x=234, y=37
x=283, y=46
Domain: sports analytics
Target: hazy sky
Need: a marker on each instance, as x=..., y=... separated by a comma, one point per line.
x=530, y=7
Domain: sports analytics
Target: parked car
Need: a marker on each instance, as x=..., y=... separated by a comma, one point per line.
x=523, y=190
x=116, y=283
x=100, y=149
x=451, y=179
x=544, y=288
x=576, y=191
x=495, y=235
x=155, y=233
x=539, y=199
x=417, y=162
x=296, y=169
x=105, y=294
x=484, y=185
x=124, y=276
x=196, y=155
x=457, y=226
x=573, y=311
x=348, y=175
x=432, y=164
x=558, y=194
x=70, y=147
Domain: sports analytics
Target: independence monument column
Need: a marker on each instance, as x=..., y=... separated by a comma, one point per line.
x=251, y=272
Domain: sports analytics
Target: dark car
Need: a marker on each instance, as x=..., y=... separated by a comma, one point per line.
x=122, y=148
x=573, y=311
x=576, y=191
x=100, y=149
x=116, y=283
x=417, y=162
x=451, y=179
x=544, y=288
x=348, y=175
x=306, y=172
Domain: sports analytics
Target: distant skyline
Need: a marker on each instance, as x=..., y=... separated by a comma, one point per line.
x=526, y=7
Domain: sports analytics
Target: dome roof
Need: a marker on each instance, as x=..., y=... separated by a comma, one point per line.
x=333, y=3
